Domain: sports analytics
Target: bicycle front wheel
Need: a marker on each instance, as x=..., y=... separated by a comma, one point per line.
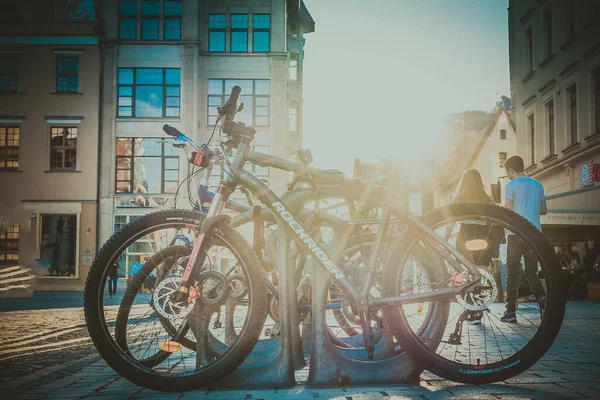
x=130, y=328
x=479, y=344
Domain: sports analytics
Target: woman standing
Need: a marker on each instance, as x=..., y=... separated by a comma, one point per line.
x=471, y=188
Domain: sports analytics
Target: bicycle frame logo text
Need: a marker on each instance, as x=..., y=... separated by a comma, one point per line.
x=308, y=240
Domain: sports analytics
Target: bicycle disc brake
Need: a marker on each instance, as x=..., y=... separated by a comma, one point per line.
x=481, y=300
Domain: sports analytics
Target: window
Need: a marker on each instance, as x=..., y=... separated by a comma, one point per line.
x=216, y=32
x=293, y=67
x=121, y=220
x=597, y=98
x=547, y=33
x=550, y=111
x=293, y=116
x=9, y=73
x=573, y=113
x=239, y=32
x=149, y=92
x=128, y=10
x=172, y=19
x=261, y=35
x=150, y=14
x=570, y=17
x=58, y=244
x=9, y=147
x=67, y=74
x=502, y=134
x=9, y=244
x=146, y=165
x=255, y=96
x=63, y=148
x=529, y=50
x=531, y=127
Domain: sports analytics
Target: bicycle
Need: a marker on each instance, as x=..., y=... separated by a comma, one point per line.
x=421, y=252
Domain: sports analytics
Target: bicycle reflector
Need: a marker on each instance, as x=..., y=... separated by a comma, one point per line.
x=476, y=245
x=202, y=156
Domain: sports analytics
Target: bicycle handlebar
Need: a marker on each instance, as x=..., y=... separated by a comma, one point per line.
x=171, y=131
x=230, y=107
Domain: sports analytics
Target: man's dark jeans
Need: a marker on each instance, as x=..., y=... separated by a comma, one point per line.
x=515, y=249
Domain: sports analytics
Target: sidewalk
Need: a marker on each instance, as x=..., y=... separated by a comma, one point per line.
x=571, y=369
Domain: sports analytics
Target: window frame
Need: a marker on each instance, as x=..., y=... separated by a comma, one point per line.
x=7, y=147
x=5, y=240
x=548, y=39
x=133, y=96
x=10, y=60
x=238, y=30
x=573, y=125
x=551, y=127
x=294, y=57
x=224, y=96
x=217, y=30
x=64, y=148
x=123, y=17
x=69, y=74
x=171, y=17
x=76, y=233
x=293, y=105
x=529, y=51
x=131, y=169
x=531, y=129
x=256, y=30
x=503, y=134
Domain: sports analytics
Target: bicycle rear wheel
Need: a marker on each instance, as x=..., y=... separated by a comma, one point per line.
x=495, y=349
x=141, y=346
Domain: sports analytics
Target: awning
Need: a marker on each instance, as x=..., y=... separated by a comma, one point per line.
x=577, y=207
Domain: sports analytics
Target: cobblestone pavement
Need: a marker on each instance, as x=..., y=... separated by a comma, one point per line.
x=45, y=353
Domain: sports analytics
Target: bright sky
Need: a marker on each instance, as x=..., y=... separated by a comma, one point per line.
x=381, y=76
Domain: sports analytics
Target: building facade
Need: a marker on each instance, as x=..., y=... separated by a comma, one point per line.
x=173, y=62
x=49, y=83
x=485, y=150
x=555, y=88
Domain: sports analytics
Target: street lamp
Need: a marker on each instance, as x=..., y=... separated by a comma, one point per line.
x=501, y=159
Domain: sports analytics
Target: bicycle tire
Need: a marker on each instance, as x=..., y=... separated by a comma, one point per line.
x=523, y=358
x=125, y=365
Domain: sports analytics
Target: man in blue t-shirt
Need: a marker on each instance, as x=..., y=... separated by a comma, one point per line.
x=526, y=197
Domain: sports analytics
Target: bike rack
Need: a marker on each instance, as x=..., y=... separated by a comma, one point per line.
x=272, y=362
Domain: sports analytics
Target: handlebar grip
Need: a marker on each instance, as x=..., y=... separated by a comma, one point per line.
x=171, y=131
x=234, y=96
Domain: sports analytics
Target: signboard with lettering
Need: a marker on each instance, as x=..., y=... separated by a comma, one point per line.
x=590, y=173
x=570, y=219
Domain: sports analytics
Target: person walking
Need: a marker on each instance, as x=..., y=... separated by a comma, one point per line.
x=526, y=197
x=113, y=279
x=471, y=188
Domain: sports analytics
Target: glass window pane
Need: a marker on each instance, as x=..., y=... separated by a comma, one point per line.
x=172, y=76
x=217, y=21
x=61, y=83
x=216, y=41
x=239, y=21
x=149, y=76
x=245, y=115
x=262, y=101
x=239, y=41
x=262, y=111
x=171, y=163
x=171, y=187
x=125, y=112
x=215, y=86
x=148, y=101
x=128, y=7
x=245, y=84
x=150, y=28
x=126, y=76
x=147, y=147
x=125, y=90
x=73, y=65
x=125, y=101
x=262, y=121
x=124, y=146
x=172, y=7
x=73, y=83
x=172, y=101
x=58, y=243
x=171, y=175
x=261, y=41
x=172, y=29
x=215, y=101
x=172, y=112
x=151, y=7
x=128, y=27
x=261, y=21
x=172, y=90
x=147, y=175
x=262, y=86
x=62, y=64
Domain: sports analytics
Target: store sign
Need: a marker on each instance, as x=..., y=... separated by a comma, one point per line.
x=571, y=219
x=589, y=173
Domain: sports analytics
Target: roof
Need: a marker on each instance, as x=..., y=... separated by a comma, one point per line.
x=467, y=149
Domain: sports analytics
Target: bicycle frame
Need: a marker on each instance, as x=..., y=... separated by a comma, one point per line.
x=238, y=175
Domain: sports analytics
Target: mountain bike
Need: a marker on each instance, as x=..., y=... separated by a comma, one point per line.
x=425, y=273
